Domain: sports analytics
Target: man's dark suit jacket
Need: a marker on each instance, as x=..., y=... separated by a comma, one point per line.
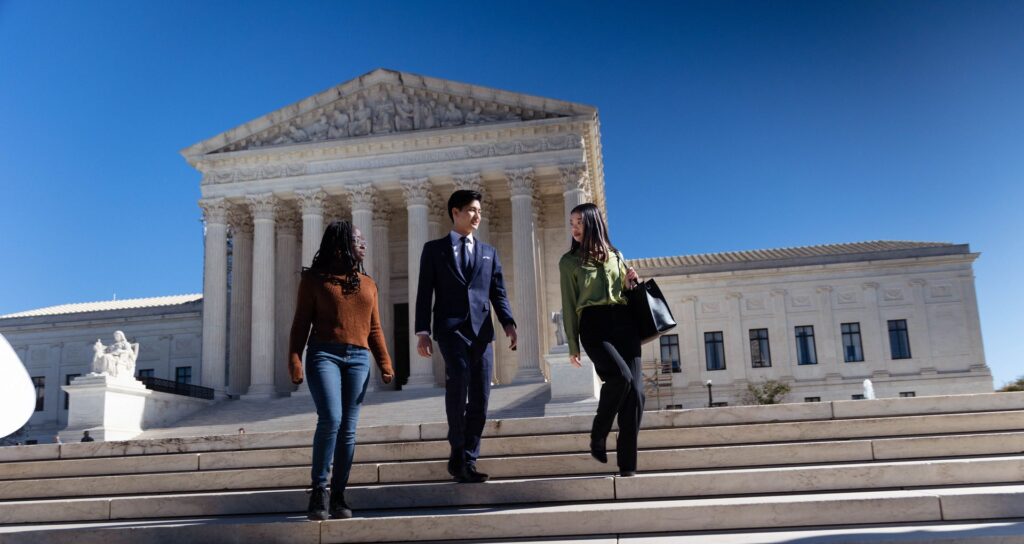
x=458, y=302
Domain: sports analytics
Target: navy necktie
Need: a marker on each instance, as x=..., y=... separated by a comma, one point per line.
x=464, y=263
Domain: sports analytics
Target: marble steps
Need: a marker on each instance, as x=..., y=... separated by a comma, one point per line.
x=725, y=425
x=280, y=452
x=774, y=480
x=617, y=517
x=529, y=466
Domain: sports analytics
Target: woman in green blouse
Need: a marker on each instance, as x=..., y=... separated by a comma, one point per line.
x=593, y=277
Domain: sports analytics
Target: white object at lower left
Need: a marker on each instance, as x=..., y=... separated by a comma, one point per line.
x=17, y=394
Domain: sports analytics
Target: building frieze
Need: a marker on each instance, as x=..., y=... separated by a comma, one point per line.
x=274, y=170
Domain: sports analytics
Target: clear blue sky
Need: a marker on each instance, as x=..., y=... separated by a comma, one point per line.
x=726, y=126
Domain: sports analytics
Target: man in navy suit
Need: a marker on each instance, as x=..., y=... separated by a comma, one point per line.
x=463, y=276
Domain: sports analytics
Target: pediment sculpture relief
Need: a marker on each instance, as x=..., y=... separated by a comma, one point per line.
x=385, y=110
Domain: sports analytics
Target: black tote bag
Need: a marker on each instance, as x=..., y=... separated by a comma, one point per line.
x=650, y=310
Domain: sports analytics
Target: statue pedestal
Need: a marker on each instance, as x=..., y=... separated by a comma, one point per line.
x=120, y=408
x=573, y=390
x=109, y=408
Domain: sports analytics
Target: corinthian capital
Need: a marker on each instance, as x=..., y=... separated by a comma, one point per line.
x=263, y=206
x=215, y=210
x=240, y=220
x=470, y=181
x=416, y=191
x=520, y=181
x=362, y=196
x=574, y=176
x=312, y=201
x=382, y=212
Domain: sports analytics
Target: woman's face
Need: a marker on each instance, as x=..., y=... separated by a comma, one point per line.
x=576, y=226
x=358, y=245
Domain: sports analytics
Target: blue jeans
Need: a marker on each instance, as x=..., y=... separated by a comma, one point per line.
x=337, y=374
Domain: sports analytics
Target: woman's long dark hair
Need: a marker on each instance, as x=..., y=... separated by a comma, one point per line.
x=596, y=243
x=335, y=257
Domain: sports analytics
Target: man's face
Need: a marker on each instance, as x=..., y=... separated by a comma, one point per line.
x=467, y=219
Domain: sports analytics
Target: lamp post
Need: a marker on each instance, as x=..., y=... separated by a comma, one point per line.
x=708, y=383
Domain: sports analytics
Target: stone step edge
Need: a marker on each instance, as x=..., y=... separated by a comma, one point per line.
x=534, y=521
x=252, y=441
x=873, y=442
x=630, y=484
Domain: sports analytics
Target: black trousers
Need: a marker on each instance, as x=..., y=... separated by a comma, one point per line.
x=610, y=338
x=468, y=369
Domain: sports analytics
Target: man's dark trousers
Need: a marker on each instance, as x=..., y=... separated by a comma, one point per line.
x=469, y=367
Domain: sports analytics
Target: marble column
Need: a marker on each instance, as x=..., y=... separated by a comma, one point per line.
x=382, y=266
x=436, y=229
x=416, y=191
x=526, y=311
x=215, y=300
x=286, y=280
x=829, y=351
x=918, y=328
x=780, y=346
x=874, y=331
x=240, y=340
x=575, y=183
x=264, y=211
x=363, y=199
x=735, y=354
x=311, y=202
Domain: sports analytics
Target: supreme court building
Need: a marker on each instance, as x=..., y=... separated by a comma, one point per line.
x=385, y=150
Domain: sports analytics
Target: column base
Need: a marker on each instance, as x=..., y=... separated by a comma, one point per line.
x=528, y=375
x=260, y=392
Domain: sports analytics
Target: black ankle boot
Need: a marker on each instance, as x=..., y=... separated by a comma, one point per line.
x=597, y=450
x=318, y=498
x=339, y=508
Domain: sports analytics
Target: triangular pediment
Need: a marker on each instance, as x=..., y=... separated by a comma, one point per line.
x=385, y=102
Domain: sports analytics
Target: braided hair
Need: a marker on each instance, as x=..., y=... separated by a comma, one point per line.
x=335, y=257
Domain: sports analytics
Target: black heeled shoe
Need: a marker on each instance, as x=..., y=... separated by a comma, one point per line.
x=598, y=451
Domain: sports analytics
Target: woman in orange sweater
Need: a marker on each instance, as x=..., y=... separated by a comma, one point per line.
x=339, y=302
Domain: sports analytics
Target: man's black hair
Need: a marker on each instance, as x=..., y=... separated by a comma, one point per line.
x=460, y=199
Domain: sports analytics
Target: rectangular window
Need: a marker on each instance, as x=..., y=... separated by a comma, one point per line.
x=857, y=397
x=812, y=399
x=907, y=394
x=853, y=351
x=806, y=352
x=760, y=351
x=714, y=350
x=899, y=341
x=670, y=353
x=145, y=373
x=183, y=374
x=40, y=383
x=67, y=381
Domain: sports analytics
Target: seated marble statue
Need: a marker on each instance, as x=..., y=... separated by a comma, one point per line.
x=116, y=360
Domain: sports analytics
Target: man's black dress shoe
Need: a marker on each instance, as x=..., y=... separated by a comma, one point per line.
x=627, y=473
x=597, y=450
x=454, y=468
x=469, y=475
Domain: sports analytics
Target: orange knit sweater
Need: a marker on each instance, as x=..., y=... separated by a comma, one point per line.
x=338, y=318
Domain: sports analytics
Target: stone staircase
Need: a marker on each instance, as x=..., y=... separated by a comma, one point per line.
x=927, y=469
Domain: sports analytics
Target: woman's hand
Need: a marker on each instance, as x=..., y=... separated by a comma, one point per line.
x=632, y=276
x=295, y=371
x=575, y=360
x=387, y=375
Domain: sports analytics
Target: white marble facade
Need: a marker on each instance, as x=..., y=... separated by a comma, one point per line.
x=56, y=344
x=385, y=150
x=930, y=286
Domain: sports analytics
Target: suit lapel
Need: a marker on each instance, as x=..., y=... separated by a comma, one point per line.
x=477, y=255
x=449, y=259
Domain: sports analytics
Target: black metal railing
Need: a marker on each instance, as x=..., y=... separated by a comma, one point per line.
x=186, y=389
